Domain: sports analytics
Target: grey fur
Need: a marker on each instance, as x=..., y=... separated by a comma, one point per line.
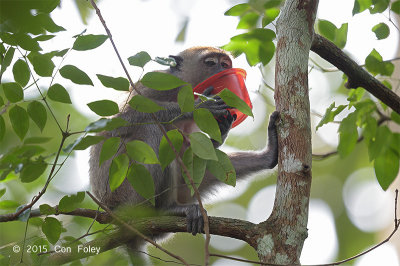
x=174, y=197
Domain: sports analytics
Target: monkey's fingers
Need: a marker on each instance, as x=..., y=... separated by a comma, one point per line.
x=207, y=92
x=272, y=119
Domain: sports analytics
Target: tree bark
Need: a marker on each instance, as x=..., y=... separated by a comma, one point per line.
x=286, y=228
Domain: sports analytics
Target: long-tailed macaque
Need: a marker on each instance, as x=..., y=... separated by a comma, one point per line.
x=194, y=65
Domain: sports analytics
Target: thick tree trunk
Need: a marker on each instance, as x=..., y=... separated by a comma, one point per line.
x=287, y=225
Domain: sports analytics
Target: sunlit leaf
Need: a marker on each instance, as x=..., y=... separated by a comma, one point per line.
x=238, y=10
x=42, y=63
x=347, y=135
x=381, y=31
x=141, y=152
x=386, y=168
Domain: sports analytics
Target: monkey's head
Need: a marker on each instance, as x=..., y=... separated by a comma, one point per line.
x=196, y=64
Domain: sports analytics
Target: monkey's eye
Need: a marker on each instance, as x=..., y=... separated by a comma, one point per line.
x=211, y=61
x=226, y=63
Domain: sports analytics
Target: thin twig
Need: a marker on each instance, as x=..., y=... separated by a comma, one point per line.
x=134, y=230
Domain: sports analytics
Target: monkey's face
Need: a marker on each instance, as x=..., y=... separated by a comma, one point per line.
x=200, y=63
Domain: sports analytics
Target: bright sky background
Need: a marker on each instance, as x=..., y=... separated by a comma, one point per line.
x=153, y=26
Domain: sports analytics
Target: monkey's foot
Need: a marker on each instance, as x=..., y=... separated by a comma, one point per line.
x=194, y=219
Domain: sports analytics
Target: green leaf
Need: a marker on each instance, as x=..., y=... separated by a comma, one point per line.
x=59, y=94
x=196, y=167
x=71, y=202
x=394, y=116
x=270, y=15
x=381, y=31
x=375, y=65
x=109, y=149
x=386, y=168
x=26, y=42
x=19, y=120
x=49, y=24
x=248, y=21
x=104, y=107
x=272, y=3
x=360, y=6
x=51, y=227
x=76, y=75
x=36, y=140
x=13, y=91
x=202, y=146
x=329, y=30
x=234, y=101
x=8, y=205
x=2, y=128
x=7, y=60
x=106, y=124
x=144, y=104
x=347, y=135
x=38, y=114
x=21, y=72
x=238, y=10
x=42, y=63
x=1, y=99
x=186, y=99
x=222, y=169
x=83, y=143
x=118, y=170
x=395, y=7
x=44, y=37
x=2, y=192
x=141, y=152
x=142, y=182
x=380, y=143
x=330, y=115
x=379, y=6
x=207, y=123
x=88, y=42
x=341, y=36
x=32, y=171
x=161, y=81
x=46, y=209
x=119, y=84
x=140, y=59
x=166, y=154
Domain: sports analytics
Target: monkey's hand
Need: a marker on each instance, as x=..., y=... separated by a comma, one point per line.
x=225, y=124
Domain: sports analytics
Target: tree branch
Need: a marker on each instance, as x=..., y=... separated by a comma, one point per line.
x=357, y=76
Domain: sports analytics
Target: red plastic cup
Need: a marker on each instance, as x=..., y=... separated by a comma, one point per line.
x=233, y=80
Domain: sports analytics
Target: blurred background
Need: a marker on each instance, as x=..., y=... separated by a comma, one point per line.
x=349, y=212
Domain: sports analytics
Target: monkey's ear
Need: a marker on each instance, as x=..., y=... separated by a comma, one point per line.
x=178, y=60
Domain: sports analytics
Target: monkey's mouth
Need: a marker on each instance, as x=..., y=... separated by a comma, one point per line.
x=232, y=79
